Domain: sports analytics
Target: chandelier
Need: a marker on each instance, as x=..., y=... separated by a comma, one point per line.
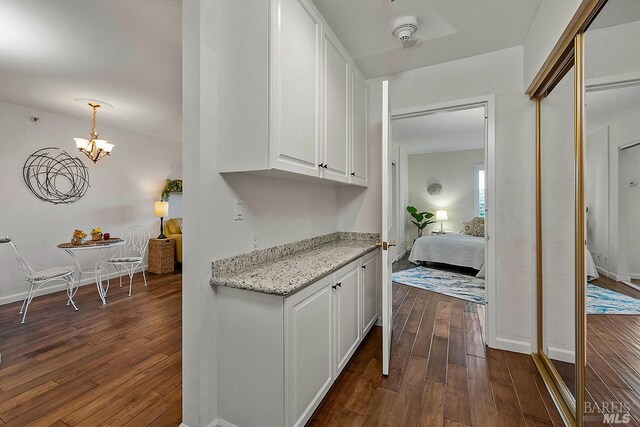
x=94, y=148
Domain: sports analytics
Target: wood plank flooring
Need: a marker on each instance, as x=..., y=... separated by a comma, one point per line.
x=441, y=373
x=118, y=364
x=613, y=359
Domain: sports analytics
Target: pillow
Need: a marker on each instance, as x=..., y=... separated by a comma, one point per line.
x=475, y=227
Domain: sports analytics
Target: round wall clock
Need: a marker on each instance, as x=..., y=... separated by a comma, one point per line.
x=434, y=189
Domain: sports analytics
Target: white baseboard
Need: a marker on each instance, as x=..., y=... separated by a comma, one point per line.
x=403, y=253
x=222, y=423
x=55, y=288
x=513, y=345
x=631, y=285
x=561, y=354
x=610, y=274
x=635, y=276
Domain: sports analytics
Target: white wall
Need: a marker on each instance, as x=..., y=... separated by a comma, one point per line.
x=454, y=170
x=123, y=189
x=612, y=53
x=552, y=18
x=596, y=195
x=498, y=73
x=279, y=210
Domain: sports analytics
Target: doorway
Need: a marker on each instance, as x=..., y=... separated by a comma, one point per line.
x=441, y=227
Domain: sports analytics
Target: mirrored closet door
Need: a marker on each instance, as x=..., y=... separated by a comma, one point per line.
x=612, y=214
x=558, y=196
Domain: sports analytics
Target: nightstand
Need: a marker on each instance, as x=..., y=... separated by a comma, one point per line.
x=161, y=255
x=438, y=232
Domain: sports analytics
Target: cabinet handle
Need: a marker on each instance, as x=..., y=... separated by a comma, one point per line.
x=334, y=287
x=339, y=284
x=325, y=166
x=353, y=174
x=364, y=267
x=320, y=165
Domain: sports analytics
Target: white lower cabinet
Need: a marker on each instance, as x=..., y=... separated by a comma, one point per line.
x=370, y=292
x=347, y=314
x=308, y=340
x=279, y=356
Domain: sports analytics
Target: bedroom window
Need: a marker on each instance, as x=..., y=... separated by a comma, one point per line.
x=479, y=190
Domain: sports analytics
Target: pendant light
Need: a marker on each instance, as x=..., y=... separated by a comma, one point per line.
x=94, y=148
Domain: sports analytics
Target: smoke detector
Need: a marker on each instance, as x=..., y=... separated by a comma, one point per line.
x=404, y=29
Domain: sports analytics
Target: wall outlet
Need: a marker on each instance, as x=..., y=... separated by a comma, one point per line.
x=239, y=210
x=254, y=240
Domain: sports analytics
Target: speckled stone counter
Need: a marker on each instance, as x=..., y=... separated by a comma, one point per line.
x=285, y=269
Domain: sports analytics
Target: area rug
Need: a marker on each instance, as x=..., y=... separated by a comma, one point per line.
x=468, y=288
x=443, y=282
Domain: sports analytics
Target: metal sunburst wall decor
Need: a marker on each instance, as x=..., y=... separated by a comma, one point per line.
x=54, y=176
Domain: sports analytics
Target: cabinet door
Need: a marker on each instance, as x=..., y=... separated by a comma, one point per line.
x=336, y=109
x=358, y=130
x=369, y=294
x=295, y=87
x=308, y=364
x=347, y=316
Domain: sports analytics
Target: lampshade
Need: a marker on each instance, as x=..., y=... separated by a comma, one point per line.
x=161, y=209
x=441, y=215
x=81, y=143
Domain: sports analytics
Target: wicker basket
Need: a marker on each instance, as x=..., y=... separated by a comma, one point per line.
x=161, y=255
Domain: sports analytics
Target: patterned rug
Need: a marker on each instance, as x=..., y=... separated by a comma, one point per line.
x=468, y=288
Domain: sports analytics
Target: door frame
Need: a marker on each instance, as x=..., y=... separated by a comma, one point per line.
x=489, y=103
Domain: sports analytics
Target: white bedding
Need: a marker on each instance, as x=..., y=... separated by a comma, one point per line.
x=454, y=249
x=592, y=271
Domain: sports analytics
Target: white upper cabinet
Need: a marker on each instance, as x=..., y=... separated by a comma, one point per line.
x=336, y=122
x=296, y=71
x=286, y=102
x=359, y=129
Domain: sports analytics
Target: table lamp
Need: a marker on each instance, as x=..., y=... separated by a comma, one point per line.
x=161, y=209
x=441, y=216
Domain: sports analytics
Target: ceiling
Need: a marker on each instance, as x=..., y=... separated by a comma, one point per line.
x=441, y=132
x=450, y=30
x=124, y=52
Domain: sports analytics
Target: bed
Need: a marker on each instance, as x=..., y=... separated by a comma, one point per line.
x=464, y=250
x=454, y=249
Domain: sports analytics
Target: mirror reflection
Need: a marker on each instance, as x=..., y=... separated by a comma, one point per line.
x=612, y=209
x=558, y=230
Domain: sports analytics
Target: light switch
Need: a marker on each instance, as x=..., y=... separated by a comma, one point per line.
x=239, y=210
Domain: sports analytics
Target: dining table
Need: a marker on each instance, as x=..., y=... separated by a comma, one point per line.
x=101, y=248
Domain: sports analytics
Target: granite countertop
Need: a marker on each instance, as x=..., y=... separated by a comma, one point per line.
x=294, y=271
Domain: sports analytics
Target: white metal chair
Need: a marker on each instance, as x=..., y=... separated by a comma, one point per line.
x=38, y=277
x=131, y=254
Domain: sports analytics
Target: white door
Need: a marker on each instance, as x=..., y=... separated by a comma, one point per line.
x=369, y=294
x=309, y=367
x=386, y=226
x=358, y=130
x=295, y=91
x=336, y=104
x=347, y=316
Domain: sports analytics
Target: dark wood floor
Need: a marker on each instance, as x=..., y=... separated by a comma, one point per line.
x=605, y=282
x=118, y=364
x=613, y=358
x=441, y=373
x=613, y=355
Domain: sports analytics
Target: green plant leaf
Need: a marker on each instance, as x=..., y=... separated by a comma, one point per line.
x=411, y=210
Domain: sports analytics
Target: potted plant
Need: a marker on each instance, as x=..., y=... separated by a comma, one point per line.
x=173, y=186
x=421, y=219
